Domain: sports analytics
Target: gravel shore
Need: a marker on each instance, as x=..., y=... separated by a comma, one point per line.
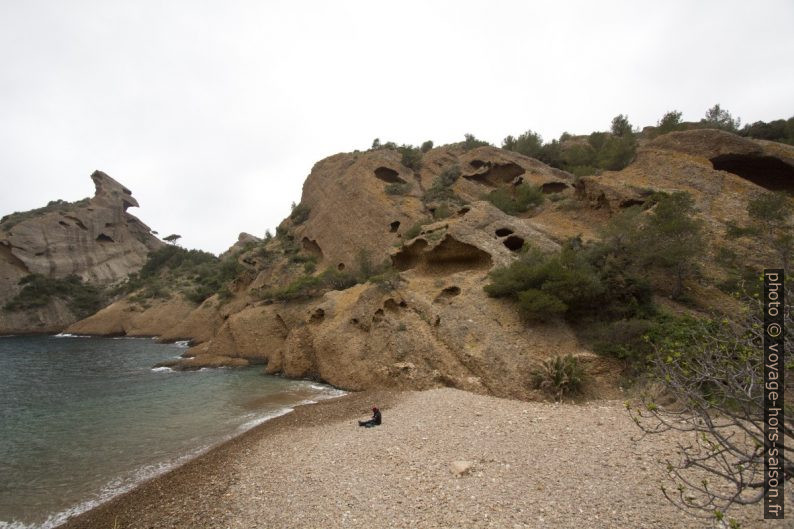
x=532, y=465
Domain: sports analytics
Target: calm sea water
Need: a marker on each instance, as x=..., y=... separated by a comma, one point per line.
x=84, y=419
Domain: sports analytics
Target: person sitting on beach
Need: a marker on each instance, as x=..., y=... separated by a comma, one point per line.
x=374, y=421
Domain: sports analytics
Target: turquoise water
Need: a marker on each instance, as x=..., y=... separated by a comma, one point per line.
x=83, y=419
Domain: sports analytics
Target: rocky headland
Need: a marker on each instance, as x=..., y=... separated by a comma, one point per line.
x=427, y=234
x=95, y=240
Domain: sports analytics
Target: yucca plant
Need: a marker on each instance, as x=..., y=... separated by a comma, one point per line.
x=559, y=376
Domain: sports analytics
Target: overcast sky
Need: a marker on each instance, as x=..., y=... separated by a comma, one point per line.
x=213, y=113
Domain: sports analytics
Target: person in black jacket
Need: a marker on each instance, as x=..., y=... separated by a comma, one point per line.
x=374, y=421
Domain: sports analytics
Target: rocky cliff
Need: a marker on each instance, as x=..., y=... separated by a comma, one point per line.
x=430, y=323
x=94, y=239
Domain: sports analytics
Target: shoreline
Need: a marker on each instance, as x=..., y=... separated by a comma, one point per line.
x=178, y=483
x=531, y=465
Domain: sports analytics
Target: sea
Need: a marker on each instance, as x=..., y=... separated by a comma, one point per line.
x=83, y=419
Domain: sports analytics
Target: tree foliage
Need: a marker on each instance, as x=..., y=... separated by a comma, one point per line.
x=719, y=118
x=671, y=121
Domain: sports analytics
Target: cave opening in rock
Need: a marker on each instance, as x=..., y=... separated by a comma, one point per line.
x=766, y=171
x=390, y=176
x=447, y=257
x=104, y=238
x=494, y=175
x=514, y=243
x=451, y=291
x=553, y=187
x=317, y=316
x=503, y=232
x=394, y=226
x=62, y=223
x=631, y=202
x=340, y=266
x=462, y=211
x=312, y=248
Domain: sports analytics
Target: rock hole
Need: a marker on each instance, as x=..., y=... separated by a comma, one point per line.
x=317, y=316
x=312, y=248
x=394, y=226
x=77, y=221
x=62, y=223
x=403, y=304
x=553, y=187
x=514, y=243
x=462, y=211
x=630, y=202
x=494, y=175
x=391, y=305
x=378, y=316
x=354, y=321
x=447, y=294
x=766, y=171
x=503, y=232
x=340, y=266
x=104, y=238
x=478, y=163
x=437, y=321
x=110, y=224
x=447, y=257
x=389, y=175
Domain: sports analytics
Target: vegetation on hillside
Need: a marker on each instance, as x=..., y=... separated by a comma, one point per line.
x=517, y=199
x=38, y=291
x=11, y=220
x=605, y=287
x=194, y=273
x=310, y=284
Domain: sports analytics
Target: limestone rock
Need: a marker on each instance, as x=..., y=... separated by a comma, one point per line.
x=243, y=240
x=95, y=239
x=461, y=468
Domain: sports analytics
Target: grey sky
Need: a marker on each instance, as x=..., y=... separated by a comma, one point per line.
x=213, y=113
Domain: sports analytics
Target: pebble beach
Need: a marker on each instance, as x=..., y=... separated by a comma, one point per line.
x=442, y=458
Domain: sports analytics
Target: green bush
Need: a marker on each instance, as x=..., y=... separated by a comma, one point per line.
x=426, y=146
x=299, y=213
x=516, y=200
x=471, y=142
x=197, y=274
x=621, y=126
x=38, y=291
x=616, y=153
x=779, y=130
x=449, y=176
x=411, y=157
x=529, y=144
x=719, y=118
x=537, y=305
x=670, y=122
x=559, y=376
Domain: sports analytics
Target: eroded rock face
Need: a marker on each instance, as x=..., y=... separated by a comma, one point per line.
x=95, y=239
x=435, y=326
x=350, y=210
